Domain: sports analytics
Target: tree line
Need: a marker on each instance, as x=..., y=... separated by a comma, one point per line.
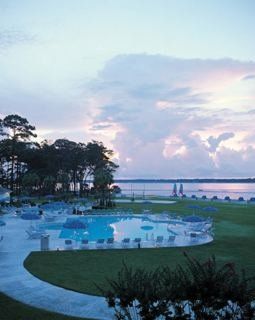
x=27, y=166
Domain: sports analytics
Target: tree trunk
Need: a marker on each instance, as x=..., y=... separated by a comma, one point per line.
x=74, y=182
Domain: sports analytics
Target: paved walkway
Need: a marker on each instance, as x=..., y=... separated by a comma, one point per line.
x=19, y=284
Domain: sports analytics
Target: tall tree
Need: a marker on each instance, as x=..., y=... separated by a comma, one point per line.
x=1, y=127
x=17, y=130
x=55, y=165
x=30, y=181
x=98, y=156
x=103, y=178
x=69, y=153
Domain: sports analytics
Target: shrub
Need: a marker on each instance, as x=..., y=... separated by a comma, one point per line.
x=201, y=291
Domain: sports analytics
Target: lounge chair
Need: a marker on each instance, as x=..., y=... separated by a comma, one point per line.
x=35, y=234
x=110, y=243
x=171, y=239
x=18, y=213
x=137, y=242
x=49, y=218
x=193, y=237
x=84, y=244
x=159, y=241
x=207, y=228
x=68, y=244
x=100, y=244
x=125, y=242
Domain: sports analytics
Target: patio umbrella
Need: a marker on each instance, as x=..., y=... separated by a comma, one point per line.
x=30, y=216
x=210, y=209
x=194, y=207
x=76, y=229
x=193, y=219
x=175, y=190
x=75, y=224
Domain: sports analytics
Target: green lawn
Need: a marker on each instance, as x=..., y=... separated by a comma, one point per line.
x=13, y=310
x=80, y=270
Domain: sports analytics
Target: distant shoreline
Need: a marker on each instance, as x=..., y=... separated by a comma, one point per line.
x=243, y=180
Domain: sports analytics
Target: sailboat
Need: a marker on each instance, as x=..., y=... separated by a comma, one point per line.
x=181, y=190
x=174, y=193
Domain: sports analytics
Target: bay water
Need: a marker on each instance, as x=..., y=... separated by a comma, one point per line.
x=221, y=190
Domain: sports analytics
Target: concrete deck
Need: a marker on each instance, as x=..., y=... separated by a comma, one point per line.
x=19, y=284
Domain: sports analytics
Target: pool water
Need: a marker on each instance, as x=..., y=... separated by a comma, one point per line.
x=117, y=227
x=147, y=228
x=51, y=226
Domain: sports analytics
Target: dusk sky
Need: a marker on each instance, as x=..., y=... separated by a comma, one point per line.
x=168, y=85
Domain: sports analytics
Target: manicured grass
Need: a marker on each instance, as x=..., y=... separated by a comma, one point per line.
x=80, y=270
x=13, y=310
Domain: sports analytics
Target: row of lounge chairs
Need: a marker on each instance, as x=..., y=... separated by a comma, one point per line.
x=34, y=233
x=125, y=243
x=113, y=211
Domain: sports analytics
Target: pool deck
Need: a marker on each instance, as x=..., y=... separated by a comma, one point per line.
x=19, y=284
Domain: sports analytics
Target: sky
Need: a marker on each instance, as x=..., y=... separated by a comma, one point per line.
x=169, y=85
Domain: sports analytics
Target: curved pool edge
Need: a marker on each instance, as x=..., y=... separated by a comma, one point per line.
x=19, y=284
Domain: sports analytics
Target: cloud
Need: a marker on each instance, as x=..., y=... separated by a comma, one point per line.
x=215, y=142
x=12, y=37
x=236, y=163
x=163, y=116
x=249, y=77
x=169, y=113
x=138, y=70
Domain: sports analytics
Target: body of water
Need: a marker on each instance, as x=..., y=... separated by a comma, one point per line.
x=221, y=190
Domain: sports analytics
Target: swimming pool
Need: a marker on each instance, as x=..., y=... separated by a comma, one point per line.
x=117, y=227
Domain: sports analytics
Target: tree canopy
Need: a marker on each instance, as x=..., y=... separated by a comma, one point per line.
x=30, y=167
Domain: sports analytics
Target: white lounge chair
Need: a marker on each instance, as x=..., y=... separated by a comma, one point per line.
x=84, y=244
x=68, y=244
x=35, y=234
x=193, y=237
x=171, y=239
x=17, y=213
x=49, y=218
x=159, y=241
x=100, y=244
x=207, y=228
x=125, y=243
x=137, y=242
